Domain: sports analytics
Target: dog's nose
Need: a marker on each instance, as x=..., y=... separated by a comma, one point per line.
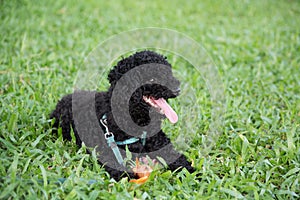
x=176, y=91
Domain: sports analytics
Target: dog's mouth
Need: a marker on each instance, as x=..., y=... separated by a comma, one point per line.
x=162, y=107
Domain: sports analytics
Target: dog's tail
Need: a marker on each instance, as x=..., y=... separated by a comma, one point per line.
x=62, y=116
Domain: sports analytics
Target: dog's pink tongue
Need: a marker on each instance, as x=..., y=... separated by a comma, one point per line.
x=168, y=110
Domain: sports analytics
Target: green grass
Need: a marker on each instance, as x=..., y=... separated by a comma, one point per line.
x=255, y=45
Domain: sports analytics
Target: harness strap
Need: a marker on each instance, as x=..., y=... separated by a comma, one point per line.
x=128, y=141
x=110, y=139
x=114, y=147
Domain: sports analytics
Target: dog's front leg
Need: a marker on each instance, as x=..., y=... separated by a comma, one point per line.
x=163, y=147
x=117, y=174
x=181, y=162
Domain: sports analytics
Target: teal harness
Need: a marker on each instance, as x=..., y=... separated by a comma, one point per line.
x=110, y=139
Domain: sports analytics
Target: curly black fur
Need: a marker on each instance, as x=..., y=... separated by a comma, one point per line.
x=138, y=109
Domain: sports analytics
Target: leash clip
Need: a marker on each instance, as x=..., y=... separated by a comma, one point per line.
x=108, y=135
x=104, y=123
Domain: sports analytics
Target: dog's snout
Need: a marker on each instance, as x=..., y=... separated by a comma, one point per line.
x=176, y=91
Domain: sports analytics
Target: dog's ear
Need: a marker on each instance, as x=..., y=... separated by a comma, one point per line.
x=118, y=71
x=123, y=66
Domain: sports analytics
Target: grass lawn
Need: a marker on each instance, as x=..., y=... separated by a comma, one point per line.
x=255, y=45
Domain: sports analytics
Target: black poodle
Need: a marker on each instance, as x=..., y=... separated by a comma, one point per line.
x=147, y=104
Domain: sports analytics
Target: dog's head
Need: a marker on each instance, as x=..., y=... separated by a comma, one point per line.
x=151, y=94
